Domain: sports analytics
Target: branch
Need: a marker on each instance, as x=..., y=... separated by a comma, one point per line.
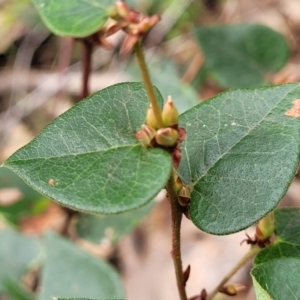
x=249, y=255
x=176, y=215
x=86, y=65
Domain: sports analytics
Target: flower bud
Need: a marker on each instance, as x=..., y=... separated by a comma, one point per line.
x=265, y=227
x=184, y=196
x=170, y=113
x=166, y=137
x=142, y=26
x=146, y=135
x=120, y=11
x=232, y=289
x=177, y=182
x=150, y=118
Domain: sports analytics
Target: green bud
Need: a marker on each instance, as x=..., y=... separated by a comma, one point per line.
x=166, y=137
x=150, y=118
x=170, y=114
x=120, y=11
x=146, y=135
x=232, y=289
x=265, y=227
x=177, y=182
x=184, y=196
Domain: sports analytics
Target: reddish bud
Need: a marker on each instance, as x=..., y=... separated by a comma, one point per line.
x=134, y=16
x=176, y=157
x=186, y=274
x=170, y=114
x=265, y=227
x=146, y=135
x=128, y=44
x=166, y=137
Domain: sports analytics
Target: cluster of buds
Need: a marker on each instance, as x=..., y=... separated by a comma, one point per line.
x=169, y=136
x=132, y=22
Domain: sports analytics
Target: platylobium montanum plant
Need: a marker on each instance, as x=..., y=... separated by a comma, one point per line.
x=226, y=163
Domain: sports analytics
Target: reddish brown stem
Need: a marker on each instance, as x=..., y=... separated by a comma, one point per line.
x=87, y=48
x=176, y=215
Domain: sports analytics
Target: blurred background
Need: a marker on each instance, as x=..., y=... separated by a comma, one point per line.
x=40, y=78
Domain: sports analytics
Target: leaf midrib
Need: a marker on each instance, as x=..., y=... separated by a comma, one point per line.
x=8, y=162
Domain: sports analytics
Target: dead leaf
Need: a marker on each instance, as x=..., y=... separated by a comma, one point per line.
x=9, y=196
x=295, y=110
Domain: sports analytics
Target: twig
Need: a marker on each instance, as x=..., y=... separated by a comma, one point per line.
x=23, y=59
x=168, y=19
x=176, y=215
x=249, y=255
x=87, y=49
x=64, y=59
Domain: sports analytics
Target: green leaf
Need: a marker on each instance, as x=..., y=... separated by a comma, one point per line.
x=240, y=155
x=71, y=272
x=15, y=292
x=276, y=268
x=89, y=159
x=287, y=244
x=29, y=203
x=94, y=228
x=17, y=252
x=76, y=18
x=279, y=279
x=261, y=294
x=81, y=299
x=241, y=55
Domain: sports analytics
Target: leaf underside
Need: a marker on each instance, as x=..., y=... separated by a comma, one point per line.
x=73, y=18
x=240, y=155
x=71, y=272
x=14, y=262
x=89, y=159
x=276, y=268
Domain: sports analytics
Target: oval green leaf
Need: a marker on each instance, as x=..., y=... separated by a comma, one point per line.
x=89, y=159
x=17, y=253
x=70, y=272
x=240, y=155
x=29, y=203
x=276, y=268
x=74, y=18
x=241, y=55
x=94, y=228
x=279, y=279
